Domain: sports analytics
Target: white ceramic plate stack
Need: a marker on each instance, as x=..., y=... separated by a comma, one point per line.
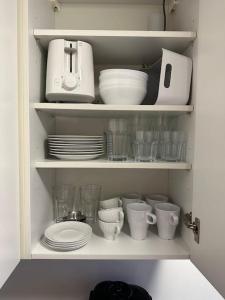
x=67, y=236
x=76, y=147
x=123, y=86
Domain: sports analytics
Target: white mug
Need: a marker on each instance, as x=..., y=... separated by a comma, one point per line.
x=110, y=203
x=110, y=230
x=130, y=198
x=167, y=215
x=139, y=217
x=111, y=215
x=154, y=199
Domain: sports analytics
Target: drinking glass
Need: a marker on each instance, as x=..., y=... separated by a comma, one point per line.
x=118, y=142
x=63, y=200
x=90, y=195
x=173, y=146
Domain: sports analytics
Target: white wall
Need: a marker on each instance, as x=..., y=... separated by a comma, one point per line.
x=9, y=192
x=70, y=280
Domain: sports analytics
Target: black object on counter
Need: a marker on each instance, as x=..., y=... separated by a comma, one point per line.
x=117, y=290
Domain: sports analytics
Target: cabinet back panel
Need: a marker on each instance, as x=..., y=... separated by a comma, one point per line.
x=115, y=182
x=109, y=16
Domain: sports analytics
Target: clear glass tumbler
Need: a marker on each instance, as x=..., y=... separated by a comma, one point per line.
x=90, y=195
x=63, y=200
x=118, y=141
x=173, y=146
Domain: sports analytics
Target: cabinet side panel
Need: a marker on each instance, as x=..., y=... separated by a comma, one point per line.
x=9, y=150
x=41, y=15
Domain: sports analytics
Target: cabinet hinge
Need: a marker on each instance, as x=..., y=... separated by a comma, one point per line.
x=194, y=226
x=55, y=5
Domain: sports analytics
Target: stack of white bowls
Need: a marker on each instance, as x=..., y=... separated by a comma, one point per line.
x=122, y=86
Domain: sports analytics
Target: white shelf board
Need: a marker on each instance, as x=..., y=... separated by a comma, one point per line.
x=152, y=2
x=102, y=110
x=125, y=248
x=105, y=164
x=122, y=47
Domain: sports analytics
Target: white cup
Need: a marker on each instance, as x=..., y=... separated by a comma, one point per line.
x=110, y=230
x=111, y=215
x=130, y=198
x=154, y=199
x=167, y=215
x=139, y=217
x=110, y=203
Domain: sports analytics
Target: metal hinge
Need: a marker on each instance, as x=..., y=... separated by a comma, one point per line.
x=194, y=226
x=55, y=5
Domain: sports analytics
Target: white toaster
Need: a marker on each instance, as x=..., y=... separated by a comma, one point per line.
x=70, y=72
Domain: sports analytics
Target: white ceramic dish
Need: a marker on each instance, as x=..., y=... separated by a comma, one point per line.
x=68, y=232
x=122, y=73
x=76, y=157
x=124, y=95
x=61, y=249
x=74, y=136
x=82, y=147
x=119, y=82
x=75, y=152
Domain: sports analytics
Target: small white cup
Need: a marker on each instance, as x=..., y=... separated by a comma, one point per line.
x=139, y=217
x=154, y=199
x=110, y=203
x=167, y=215
x=110, y=230
x=130, y=198
x=111, y=215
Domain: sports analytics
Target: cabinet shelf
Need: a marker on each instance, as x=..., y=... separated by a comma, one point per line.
x=102, y=110
x=124, y=248
x=111, y=46
x=105, y=164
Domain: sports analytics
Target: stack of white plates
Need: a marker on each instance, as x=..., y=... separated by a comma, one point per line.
x=67, y=236
x=76, y=147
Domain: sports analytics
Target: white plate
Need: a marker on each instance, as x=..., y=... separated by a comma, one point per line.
x=60, y=249
x=68, y=232
x=75, y=152
x=76, y=157
x=65, y=149
x=81, y=144
x=75, y=136
x=67, y=245
x=77, y=146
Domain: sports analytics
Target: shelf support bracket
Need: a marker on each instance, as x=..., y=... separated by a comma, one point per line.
x=56, y=6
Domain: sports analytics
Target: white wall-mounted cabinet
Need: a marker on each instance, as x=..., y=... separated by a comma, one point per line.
x=196, y=186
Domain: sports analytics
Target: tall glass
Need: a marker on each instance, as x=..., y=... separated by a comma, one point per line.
x=118, y=141
x=63, y=200
x=90, y=195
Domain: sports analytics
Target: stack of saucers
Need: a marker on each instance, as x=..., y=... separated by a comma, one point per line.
x=76, y=147
x=67, y=236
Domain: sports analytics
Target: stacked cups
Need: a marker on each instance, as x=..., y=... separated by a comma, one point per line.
x=122, y=86
x=111, y=218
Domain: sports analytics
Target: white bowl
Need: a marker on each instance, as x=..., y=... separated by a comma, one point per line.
x=122, y=73
x=123, y=81
x=123, y=95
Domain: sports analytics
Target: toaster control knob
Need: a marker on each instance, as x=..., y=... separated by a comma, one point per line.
x=70, y=82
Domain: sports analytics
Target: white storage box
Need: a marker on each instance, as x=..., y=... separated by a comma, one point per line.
x=170, y=80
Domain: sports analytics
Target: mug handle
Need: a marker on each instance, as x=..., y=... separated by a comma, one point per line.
x=151, y=218
x=121, y=216
x=173, y=220
x=117, y=232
